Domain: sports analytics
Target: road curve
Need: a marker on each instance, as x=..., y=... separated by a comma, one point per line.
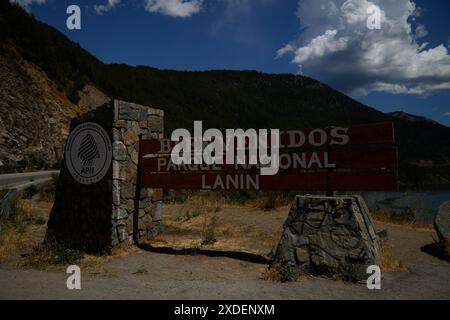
x=23, y=180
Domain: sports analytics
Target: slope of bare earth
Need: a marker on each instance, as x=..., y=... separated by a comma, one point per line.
x=34, y=114
x=140, y=274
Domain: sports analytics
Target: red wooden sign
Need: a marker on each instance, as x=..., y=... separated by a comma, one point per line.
x=309, y=160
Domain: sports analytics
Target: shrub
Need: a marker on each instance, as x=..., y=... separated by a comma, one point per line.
x=209, y=231
x=7, y=168
x=196, y=212
x=267, y=202
x=280, y=273
x=30, y=191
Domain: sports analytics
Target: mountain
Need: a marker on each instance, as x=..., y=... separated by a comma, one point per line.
x=410, y=117
x=77, y=81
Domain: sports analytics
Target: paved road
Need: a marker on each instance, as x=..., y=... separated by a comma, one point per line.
x=23, y=180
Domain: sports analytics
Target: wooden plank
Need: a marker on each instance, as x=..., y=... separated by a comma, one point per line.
x=377, y=133
x=320, y=181
x=344, y=158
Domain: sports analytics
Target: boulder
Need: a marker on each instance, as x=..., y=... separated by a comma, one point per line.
x=442, y=226
x=331, y=236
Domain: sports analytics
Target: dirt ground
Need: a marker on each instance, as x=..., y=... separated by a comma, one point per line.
x=141, y=274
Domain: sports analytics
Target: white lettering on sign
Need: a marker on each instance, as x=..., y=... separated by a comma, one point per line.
x=249, y=148
x=235, y=148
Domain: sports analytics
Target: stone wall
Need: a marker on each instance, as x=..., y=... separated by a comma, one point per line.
x=102, y=215
x=331, y=236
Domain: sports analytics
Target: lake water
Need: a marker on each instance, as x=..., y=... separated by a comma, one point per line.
x=424, y=203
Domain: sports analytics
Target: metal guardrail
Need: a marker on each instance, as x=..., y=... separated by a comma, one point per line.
x=6, y=202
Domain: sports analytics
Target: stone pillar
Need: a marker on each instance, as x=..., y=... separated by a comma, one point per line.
x=99, y=216
x=331, y=236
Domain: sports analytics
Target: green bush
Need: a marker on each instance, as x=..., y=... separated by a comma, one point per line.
x=7, y=168
x=29, y=192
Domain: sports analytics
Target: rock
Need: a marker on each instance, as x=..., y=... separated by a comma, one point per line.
x=130, y=137
x=154, y=229
x=130, y=206
x=142, y=115
x=127, y=112
x=155, y=123
x=119, y=172
x=157, y=112
x=148, y=206
x=114, y=237
x=158, y=212
x=117, y=135
x=119, y=151
x=442, y=226
x=146, y=192
x=120, y=213
x=157, y=195
x=122, y=232
x=331, y=236
x=134, y=155
x=116, y=192
x=127, y=190
x=130, y=224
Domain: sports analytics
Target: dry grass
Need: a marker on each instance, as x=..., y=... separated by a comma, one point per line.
x=246, y=199
x=212, y=220
x=23, y=229
x=269, y=201
x=285, y=274
x=209, y=230
x=233, y=229
x=387, y=261
x=405, y=218
x=201, y=203
x=383, y=217
x=21, y=243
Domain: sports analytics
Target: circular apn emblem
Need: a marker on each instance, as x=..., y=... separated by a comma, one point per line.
x=88, y=153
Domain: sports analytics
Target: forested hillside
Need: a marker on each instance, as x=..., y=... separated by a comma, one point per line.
x=222, y=99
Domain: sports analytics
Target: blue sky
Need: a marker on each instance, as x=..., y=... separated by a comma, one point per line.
x=403, y=66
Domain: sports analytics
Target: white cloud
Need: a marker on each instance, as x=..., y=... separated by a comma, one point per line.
x=321, y=46
x=26, y=3
x=102, y=8
x=174, y=8
x=446, y=114
x=337, y=47
x=421, y=31
x=286, y=49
